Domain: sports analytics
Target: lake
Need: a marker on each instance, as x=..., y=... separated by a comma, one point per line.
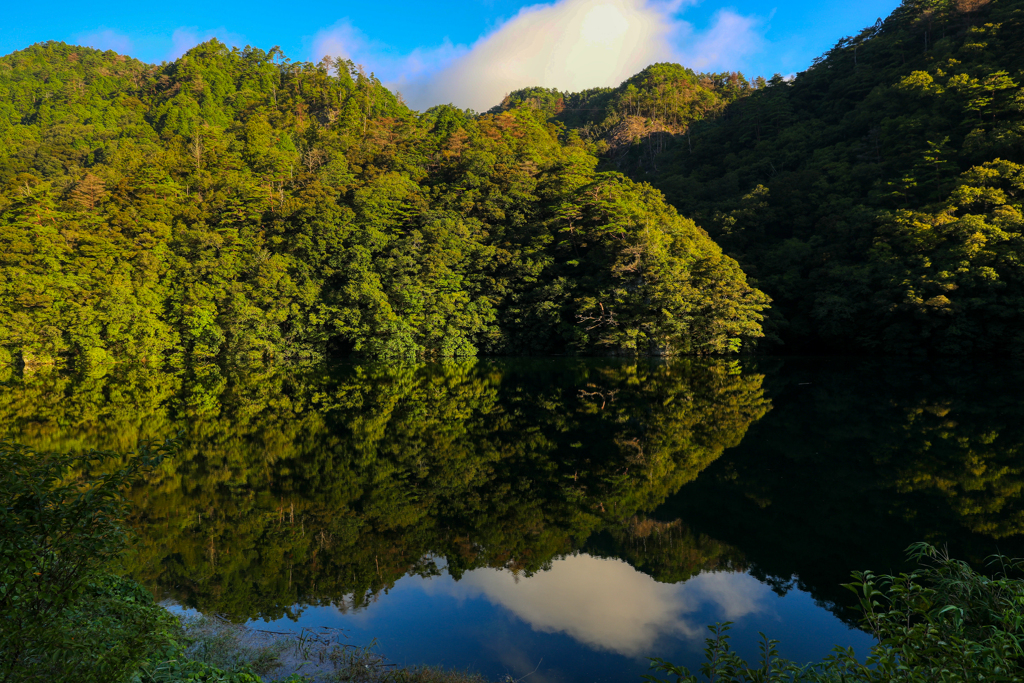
x=566, y=517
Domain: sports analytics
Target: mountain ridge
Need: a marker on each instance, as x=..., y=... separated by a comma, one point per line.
x=875, y=197
x=852, y=194
x=234, y=205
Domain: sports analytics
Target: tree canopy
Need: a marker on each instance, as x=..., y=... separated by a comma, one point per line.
x=876, y=197
x=235, y=204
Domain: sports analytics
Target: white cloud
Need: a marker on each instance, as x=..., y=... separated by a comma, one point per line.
x=105, y=39
x=341, y=40
x=185, y=38
x=731, y=38
x=569, y=45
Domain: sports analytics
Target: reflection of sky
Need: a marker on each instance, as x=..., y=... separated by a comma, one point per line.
x=585, y=619
x=609, y=605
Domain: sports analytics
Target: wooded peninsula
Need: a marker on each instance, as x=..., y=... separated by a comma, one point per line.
x=234, y=204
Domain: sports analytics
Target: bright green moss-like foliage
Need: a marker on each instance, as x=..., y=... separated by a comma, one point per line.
x=234, y=204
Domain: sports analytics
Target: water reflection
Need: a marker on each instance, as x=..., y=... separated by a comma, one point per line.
x=300, y=486
x=608, y=605
x=586, y=619
x=858, y=459
x=633, y=502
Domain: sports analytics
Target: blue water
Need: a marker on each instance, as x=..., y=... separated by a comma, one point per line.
x=586, y=619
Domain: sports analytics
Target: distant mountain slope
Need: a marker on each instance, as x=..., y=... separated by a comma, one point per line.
x=636, y=122
x=876, y=197
x=233, y=204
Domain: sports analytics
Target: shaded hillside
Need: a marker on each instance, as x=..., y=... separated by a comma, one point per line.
x=876, y=197
x=235, y=204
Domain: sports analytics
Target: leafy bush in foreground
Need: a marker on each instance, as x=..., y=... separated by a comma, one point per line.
x=60, y=612
x=942, y=622
x=63, y=616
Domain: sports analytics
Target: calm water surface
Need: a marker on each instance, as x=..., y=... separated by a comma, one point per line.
x=564, y=516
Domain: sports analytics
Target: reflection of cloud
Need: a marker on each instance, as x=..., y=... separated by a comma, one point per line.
x=569, y=45
x=105, y=39
x=609, y=605
x=736, y=595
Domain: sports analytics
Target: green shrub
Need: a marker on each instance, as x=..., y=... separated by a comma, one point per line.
x=62, y=616
x=94, y=357
x=943, y=622
x=207, y=650
x=180, y=669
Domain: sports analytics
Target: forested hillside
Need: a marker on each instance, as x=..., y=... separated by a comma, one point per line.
x=234, y=204
x=633, y=125
x=876, y=197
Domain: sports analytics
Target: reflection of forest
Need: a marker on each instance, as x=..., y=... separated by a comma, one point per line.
x=306, y=486
x=310, y=485
x=857, y=460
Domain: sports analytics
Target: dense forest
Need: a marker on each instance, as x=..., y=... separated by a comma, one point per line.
x=235, y=204
x=876, y=197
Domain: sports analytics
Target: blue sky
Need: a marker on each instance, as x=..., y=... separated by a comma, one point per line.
x=469, y=52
